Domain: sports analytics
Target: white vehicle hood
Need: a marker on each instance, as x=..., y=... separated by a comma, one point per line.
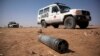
x=72, y=11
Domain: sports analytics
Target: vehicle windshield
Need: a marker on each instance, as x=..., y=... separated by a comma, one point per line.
x=12, y=22
x=64, y=8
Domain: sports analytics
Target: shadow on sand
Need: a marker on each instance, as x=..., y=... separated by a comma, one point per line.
x=87, y=28
x=81, y=28
x=68, y=51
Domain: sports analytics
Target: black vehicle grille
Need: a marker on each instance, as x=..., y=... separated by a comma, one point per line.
x=85, y=12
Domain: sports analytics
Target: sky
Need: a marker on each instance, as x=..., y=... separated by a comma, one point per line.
x=25, y=12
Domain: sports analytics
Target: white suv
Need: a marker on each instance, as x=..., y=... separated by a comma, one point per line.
x=57, y=14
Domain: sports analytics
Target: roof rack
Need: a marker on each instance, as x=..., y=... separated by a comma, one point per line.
x=59, y=3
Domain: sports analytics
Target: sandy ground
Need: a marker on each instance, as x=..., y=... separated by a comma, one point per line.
x=24, y=41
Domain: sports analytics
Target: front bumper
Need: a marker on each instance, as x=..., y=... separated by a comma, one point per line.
x=83, y=18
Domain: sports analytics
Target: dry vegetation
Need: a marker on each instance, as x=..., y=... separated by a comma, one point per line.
x=24, y=41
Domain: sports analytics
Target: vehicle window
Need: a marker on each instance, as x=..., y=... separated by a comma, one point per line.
x=40, y=12
x=64, y=8
x=46, y=10
x=55, y=9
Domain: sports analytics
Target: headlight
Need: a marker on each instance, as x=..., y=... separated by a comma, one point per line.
x=78, y=12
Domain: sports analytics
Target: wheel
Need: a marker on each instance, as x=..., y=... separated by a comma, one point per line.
x=83, y=25
x=55, y=25
x=44, y=24
x=70, y=22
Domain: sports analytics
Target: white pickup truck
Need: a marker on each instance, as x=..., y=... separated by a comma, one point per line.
x=59, y=14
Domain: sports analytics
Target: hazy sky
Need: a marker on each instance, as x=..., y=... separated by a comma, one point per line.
x=24, y=12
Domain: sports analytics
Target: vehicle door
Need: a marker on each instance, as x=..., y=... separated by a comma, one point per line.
x=55, y=14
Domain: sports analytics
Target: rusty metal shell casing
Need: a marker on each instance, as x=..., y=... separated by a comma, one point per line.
x=56, y=44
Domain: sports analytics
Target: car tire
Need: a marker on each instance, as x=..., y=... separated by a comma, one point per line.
x=83, y=25
x=70, y=22
x=44, y=24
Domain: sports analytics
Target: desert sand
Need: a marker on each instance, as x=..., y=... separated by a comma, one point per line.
x=24, y=41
